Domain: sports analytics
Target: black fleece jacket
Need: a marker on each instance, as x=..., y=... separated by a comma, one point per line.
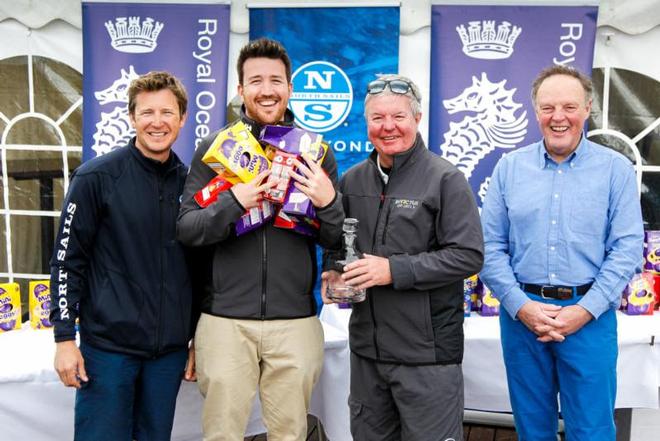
x=266, y=274
x=425, y=221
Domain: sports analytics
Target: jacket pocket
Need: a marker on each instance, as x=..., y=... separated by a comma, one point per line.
x=407, y=336
x=358, y=425
x=122, y=313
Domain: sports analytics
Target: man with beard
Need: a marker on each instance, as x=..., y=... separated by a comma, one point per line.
x=258, y=327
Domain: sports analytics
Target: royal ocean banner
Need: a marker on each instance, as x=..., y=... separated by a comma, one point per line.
x=335, y=53
x=124, y=40
x=483, y=62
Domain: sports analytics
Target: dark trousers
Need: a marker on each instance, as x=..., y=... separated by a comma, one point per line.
x=127, y=397
x=392, y=402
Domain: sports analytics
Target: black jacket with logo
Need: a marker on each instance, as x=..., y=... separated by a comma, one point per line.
x=425, y=221
x=116, y=263
x=268, y=273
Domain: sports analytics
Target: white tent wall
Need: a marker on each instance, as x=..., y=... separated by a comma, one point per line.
x=628, y=37
x=628, y=31
x=42, y=27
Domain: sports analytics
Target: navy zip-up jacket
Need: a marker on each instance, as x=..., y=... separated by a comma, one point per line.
x=116, y=264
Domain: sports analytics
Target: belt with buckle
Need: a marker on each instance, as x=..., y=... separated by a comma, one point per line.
x=555, y=292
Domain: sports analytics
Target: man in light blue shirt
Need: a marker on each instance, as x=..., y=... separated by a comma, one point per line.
x=563, y=235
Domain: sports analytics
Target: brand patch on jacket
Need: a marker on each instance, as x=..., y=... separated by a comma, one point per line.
x=406, y=203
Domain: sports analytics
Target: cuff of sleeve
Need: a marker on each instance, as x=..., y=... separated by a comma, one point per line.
x=233, y=196
x=401, y=271
x=334, y=199
x=64, y=337
x=333, y=213
x=227, y=206
x=513, y=301
x=594, y=303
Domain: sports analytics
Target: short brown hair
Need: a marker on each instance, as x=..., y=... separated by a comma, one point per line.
x=153, y=82
x=263, y=48
x=570, y=71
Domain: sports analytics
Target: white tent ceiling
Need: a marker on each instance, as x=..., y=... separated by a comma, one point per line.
x=628, y=31
x=629, y=16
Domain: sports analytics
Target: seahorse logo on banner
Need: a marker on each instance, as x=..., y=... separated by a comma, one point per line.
x=322, y=96
x=128, y=34
x=491, y=123
x=482, y=41
x=114, y=130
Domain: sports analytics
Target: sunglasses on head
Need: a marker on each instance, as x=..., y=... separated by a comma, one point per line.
x=400, y=87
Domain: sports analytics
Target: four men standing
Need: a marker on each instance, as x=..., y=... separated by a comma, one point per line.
x=563, y=233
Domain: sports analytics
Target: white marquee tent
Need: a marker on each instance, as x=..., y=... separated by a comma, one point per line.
x=626, y=61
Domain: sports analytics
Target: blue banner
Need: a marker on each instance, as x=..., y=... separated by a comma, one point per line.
x=483, y=62
x=124, y=40
x=335, y=53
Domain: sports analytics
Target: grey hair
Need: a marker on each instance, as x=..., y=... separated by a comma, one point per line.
x=415, y=98
x=569, y=71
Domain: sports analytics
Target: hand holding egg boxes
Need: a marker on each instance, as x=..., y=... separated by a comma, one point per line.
x=237, y=156
x=297, y=211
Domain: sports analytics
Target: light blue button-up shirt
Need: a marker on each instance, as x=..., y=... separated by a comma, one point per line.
x=567, y=224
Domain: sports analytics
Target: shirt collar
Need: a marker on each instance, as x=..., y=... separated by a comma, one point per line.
x=400, y=159
x=152, y=164
x=578, y=155
x=384, y=176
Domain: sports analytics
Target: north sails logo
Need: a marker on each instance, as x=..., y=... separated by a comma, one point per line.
x=322, y=96
x=62, y=274
x=129, y=35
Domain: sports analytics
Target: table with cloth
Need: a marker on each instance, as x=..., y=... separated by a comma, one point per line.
x=35, y=405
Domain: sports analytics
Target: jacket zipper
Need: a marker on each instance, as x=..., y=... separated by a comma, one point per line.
x=373, y=247
x=386, y=223
x=263, y=273
x=160, y=244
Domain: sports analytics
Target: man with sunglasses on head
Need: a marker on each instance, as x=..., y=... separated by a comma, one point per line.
x=421, y=235
x=258, y=328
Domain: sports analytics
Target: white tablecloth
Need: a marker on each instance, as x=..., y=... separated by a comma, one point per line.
x=638, y=367
x=35, y=406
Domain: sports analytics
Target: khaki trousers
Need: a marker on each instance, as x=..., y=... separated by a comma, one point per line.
x=283, y=358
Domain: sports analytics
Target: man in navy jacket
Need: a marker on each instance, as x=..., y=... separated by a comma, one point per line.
x=118, y=268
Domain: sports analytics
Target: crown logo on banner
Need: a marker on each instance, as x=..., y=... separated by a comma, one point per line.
x=481, y=39
x=128, y=35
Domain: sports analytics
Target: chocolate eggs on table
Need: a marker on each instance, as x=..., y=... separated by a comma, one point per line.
x=8, y=325
x=39, y=304
x=10, y=306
